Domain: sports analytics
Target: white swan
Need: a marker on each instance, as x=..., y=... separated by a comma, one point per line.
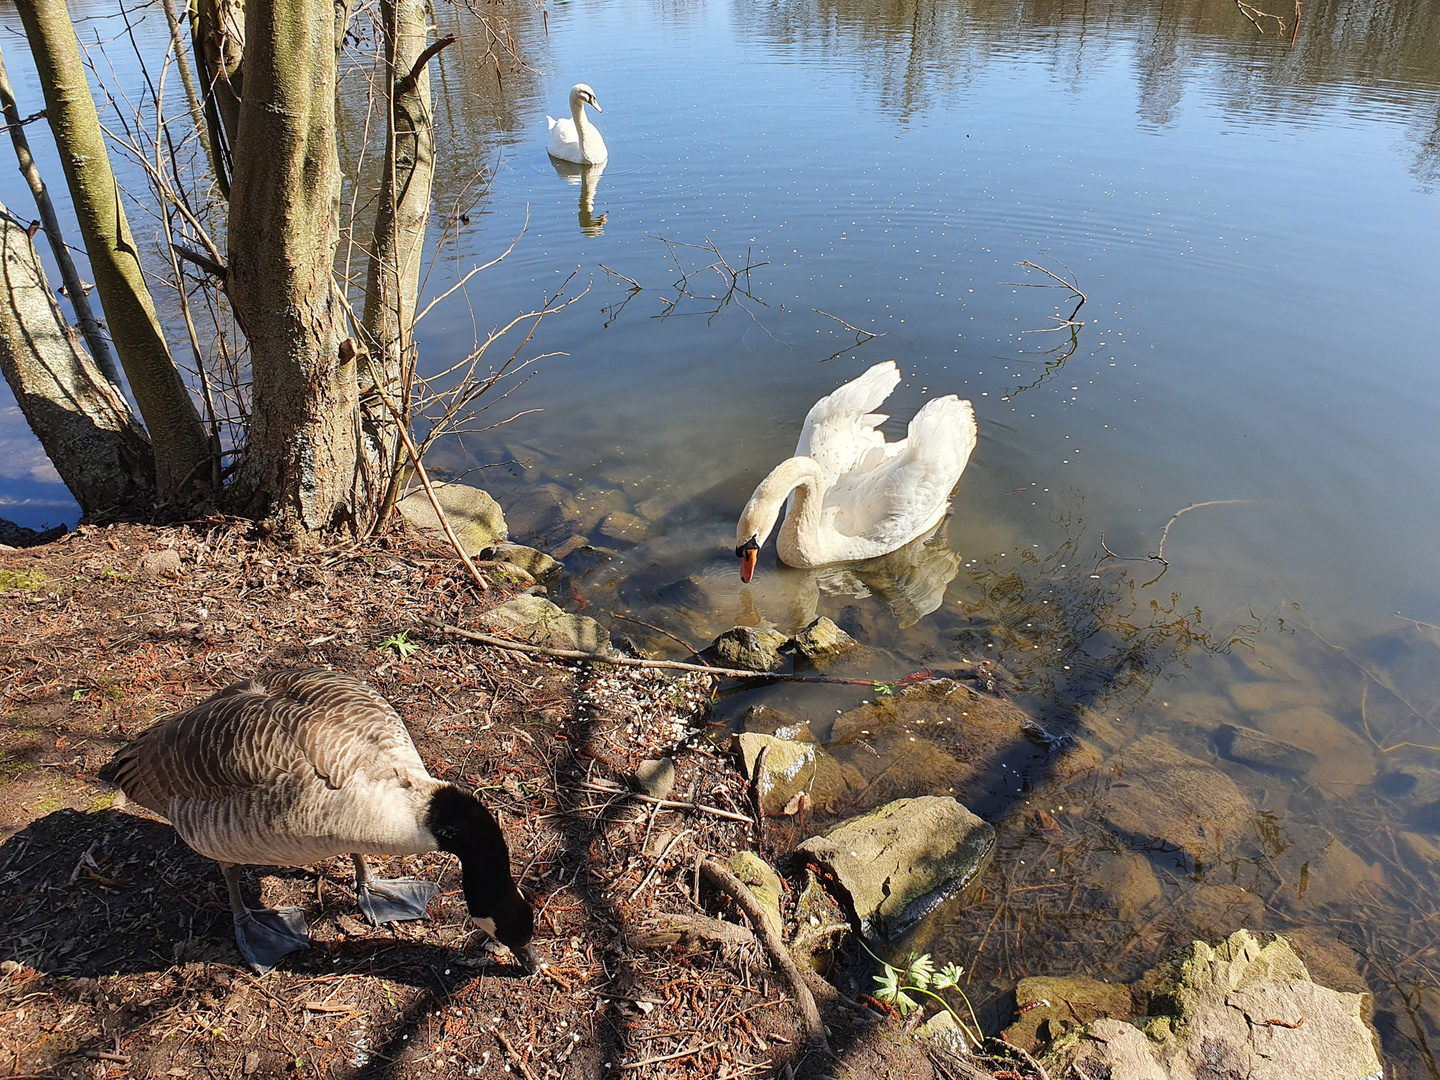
x=855, y=496
x=577, y=139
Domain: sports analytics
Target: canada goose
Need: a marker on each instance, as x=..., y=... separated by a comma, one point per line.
x=298, y=766
x=852, y=495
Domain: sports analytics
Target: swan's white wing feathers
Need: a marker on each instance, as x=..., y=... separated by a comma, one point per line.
x=840, y=428
x=564, y=140
x=906, y=493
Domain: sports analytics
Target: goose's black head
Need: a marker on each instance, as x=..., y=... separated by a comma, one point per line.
x=463, y=826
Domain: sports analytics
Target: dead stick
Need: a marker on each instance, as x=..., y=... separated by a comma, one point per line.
x=510, y=1052
x=769, y=936
x=630, y=661
x=667, y=804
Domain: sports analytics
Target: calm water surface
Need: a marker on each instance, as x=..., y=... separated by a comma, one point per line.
x=1256, y=229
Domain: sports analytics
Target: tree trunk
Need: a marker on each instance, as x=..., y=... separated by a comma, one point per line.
x=401, y=218
x=77, y=413
x=219, y=42
x=79, y=299
x=299, y=460
x=187, y=78
x=179, y=439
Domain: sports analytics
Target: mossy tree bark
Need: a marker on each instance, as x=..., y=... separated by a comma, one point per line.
x=181, y=445
x=298, y=469
x=401, y=219
x=77, y=413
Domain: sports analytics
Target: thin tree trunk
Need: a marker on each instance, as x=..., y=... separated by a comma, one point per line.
x=299, y=460
x=400, y=222
x=187, y=78
x=79, y=299
x=179, y=439
x=219, y=42
x=78, y=415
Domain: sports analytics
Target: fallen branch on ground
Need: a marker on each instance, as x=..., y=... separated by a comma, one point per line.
x=729, y=884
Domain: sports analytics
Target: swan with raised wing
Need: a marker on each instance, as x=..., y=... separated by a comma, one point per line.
x=852, y=495
x=577, y=139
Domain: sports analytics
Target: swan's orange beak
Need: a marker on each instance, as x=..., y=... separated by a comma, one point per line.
x=748, y=553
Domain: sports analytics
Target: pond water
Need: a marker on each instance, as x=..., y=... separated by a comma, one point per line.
x=1251, y=392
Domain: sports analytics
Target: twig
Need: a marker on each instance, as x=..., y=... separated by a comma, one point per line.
x=1036, y=266
x=728, y=883
x=659, y=630
x=656, y=868
x=513, y=1056
x=665, y=804
x=667, y=1057
x=1193, y=506
x=1246, y=9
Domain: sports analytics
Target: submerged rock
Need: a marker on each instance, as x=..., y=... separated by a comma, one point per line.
x=474, y=516
x=539, y=622
x=1263, y=751
x=822, y=641
x=749, y=648
x=789, y=768
x=898, y=862
x=1243, y=1007
x=1159, y=793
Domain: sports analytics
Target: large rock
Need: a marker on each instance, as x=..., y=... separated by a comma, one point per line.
x=1244, y=1007
x=1159, y=794
x=1346, y=761
x=473, y=515
x=536, y=620
x=750, y=648
x=790, y=767
x=898, y=862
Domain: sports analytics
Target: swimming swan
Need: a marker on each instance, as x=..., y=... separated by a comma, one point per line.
x=577, y=139
x=298, y=766
x=855, y=496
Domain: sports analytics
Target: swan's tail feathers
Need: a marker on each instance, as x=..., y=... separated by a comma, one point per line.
x=945, y=430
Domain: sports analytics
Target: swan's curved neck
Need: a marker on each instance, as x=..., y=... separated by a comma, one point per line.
x=577, y=113
x=799, y=539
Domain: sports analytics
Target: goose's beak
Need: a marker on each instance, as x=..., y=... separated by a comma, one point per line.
x=748, y=555
x=528, y=959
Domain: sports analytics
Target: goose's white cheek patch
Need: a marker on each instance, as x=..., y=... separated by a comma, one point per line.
x=486, y=924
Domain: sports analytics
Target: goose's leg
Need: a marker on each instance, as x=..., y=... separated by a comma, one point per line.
x=263, y=934
x=390, y=901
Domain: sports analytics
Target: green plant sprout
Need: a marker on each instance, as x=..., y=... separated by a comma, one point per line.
x=401, y=643
x=884, y=689
x=919, y=976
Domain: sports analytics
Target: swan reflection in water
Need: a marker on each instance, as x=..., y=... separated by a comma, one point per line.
x=911, y=580
x=588, y=177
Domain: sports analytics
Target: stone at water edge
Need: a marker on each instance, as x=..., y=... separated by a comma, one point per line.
x=749, y=648
x=1244, y=1007
x=822, y=641
x=536, y=620
x=898, y=862
x=764, y=884
x=1072, y=1000
x=535, y=563
x=474, y=516
x=790, y=768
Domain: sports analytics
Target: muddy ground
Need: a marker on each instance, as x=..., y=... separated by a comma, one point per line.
x=116, y=939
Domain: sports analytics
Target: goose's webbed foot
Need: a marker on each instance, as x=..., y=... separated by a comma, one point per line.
x=267, y=935
x=394, y=901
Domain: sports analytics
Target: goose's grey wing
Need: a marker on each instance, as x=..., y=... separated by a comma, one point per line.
x=840, y=428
